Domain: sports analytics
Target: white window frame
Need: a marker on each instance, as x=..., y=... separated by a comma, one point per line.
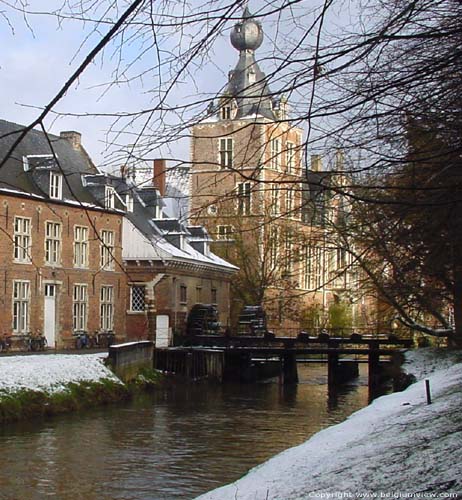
x=244, y=198
x=106, y=308
x=225, y=152
x=56, y=186
x=133, y=303
x=275, y=199
x=21, y=306
x=290, y=157
x=107, y=250
x=81, y=247
x=290, y=202
x=109, y=197
x=275, y=154
x=22, y=239
x=224, y=232
x=225, y=112
x=129, y=202
x=53, y=243
x=79, y=307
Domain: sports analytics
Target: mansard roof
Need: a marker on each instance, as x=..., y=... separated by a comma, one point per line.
x=21, y=171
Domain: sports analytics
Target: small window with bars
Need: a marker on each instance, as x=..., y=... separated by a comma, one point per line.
x=137, y=298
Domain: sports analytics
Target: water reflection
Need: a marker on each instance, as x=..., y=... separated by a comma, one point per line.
x=174, y=444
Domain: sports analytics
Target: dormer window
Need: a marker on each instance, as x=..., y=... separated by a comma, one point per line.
x=56, y=186
x=109, y=197
x=129, y=202
x=226, y=112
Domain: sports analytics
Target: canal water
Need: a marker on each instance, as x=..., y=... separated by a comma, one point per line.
x=177, y=443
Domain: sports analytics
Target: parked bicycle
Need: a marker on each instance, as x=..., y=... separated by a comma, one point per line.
x=37, y=341
x=82, y=339
x=106, y=338
x=5, y=343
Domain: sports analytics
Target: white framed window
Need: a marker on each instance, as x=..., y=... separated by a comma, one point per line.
x=137, y=298
x=273, y=247
x=275, y=154
x=129, y=202
x=21, y=303
x=312, y=267
x=107, y=250
x=52, y=243
x=289, y=202
x=225, y=112
x=22, y=239
x=290, y=157
x=56, y=186
x=107, y=308
x=224, y=232
x=244, y=198
x=226, y=147
x=80, y=307
x=81, y=246
x=274, y=199
x=109, y=197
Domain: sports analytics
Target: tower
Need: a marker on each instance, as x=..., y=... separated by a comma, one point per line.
x=246, y=186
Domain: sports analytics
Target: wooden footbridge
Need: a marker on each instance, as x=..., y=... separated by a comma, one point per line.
x=246, y=358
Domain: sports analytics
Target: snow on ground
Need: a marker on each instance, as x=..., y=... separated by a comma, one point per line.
x=50, y=372
x=397, y=447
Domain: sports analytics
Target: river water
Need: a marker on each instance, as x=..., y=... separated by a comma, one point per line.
x=177, y=443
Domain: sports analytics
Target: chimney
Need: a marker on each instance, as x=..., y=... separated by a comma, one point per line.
x=124, y=171
x=75, y=138
x=316, y=163
x=159, y=179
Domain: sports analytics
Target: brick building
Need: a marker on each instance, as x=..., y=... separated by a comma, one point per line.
x=61, y=242
x=266, y=211
x=169, y=264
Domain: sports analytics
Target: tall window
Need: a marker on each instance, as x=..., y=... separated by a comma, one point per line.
x=244, y=198
x=214, y=295
x=198, y=294
x=53, y=243
x=107, y=308
x=273, y=247
x=274, y=199
x=290, y=157
x=22, y=239
x=21, y=299
x=80, y=307
x=107, y=250
x=109, y=197
x=290, y=202
x=275, y=153
x=137, y=298
x=56, y=186
x=312, y=267
x=183, y=294
x=226, y=152
x=226, y=112
x=80, y=246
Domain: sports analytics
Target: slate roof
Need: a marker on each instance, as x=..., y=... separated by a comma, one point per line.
x=73, y=163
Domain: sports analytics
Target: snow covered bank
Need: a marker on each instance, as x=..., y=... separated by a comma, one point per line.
x=51, y=373
x=39, y=385
x=397, y=447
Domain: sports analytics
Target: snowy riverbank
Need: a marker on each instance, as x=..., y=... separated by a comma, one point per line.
x=47, y=384
x=397, y=447
x=51, y=373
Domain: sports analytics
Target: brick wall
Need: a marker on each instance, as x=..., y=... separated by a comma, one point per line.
x=64, y=274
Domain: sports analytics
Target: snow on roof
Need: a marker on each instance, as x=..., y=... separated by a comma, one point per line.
x=397, y=445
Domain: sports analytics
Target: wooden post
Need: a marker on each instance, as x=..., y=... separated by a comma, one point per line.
x=373, y=364
x=427, y=390
x=332, y=364
x=289, y=367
